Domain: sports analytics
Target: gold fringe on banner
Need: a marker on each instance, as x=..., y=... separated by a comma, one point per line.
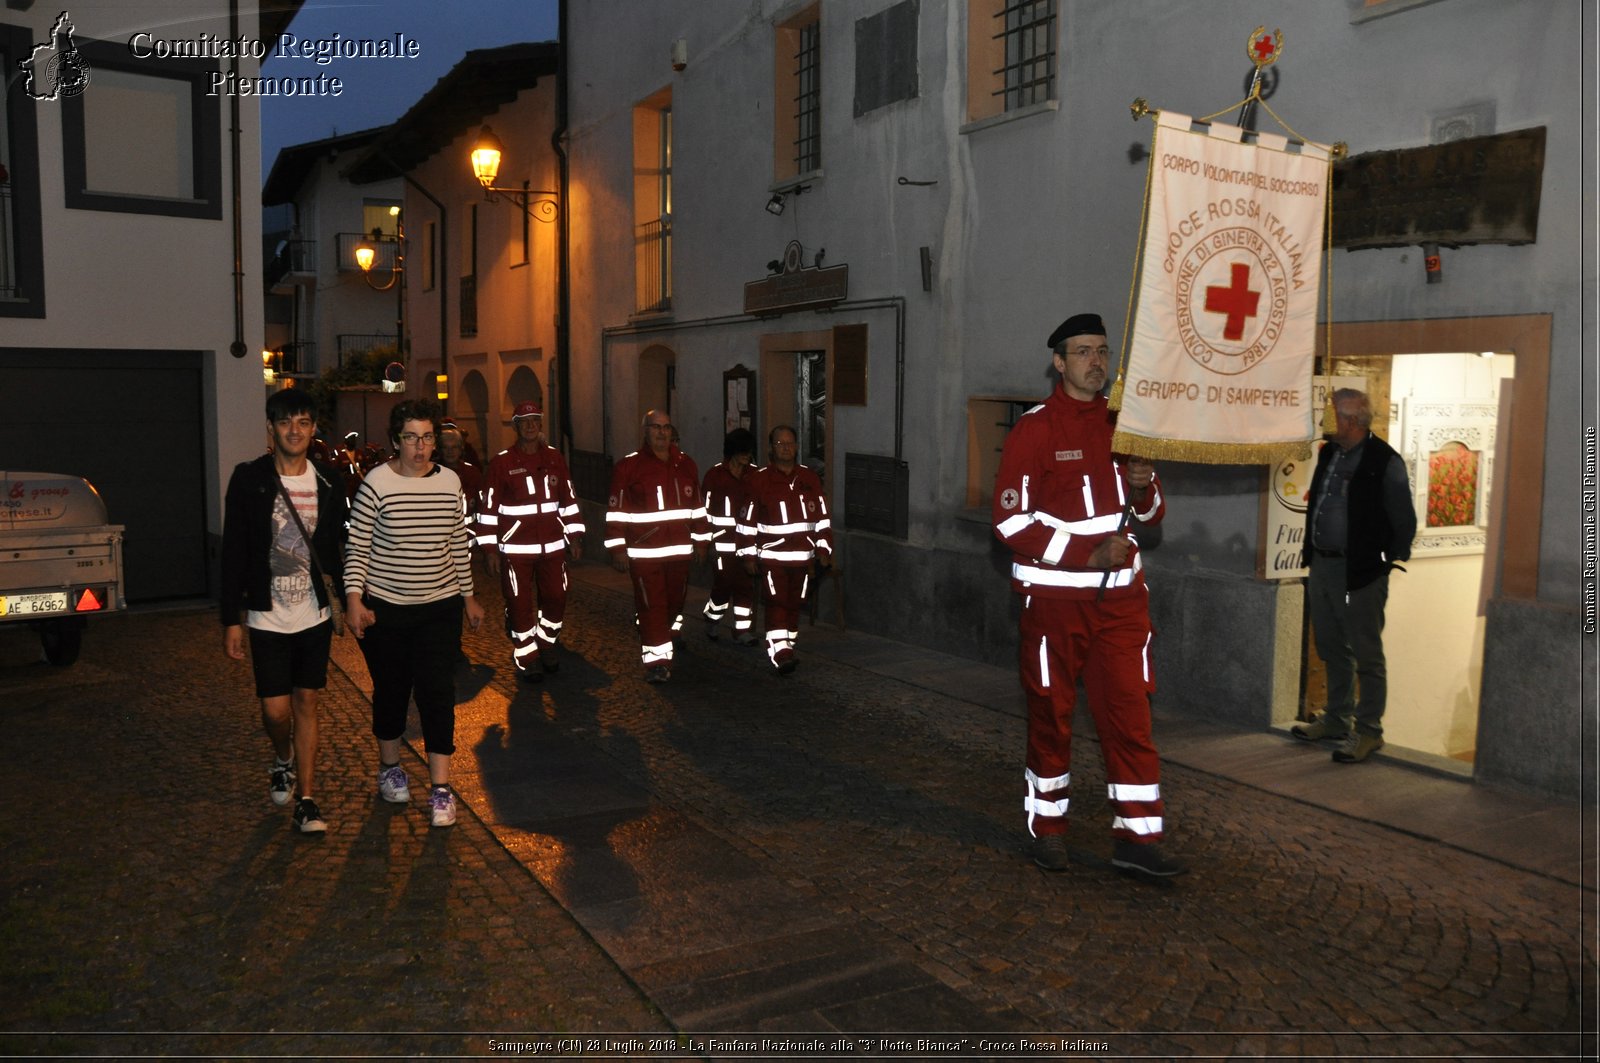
x=1202, y=453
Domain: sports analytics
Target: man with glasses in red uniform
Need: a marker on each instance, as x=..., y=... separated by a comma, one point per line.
x=784, y=529
x=1064, y=503
x=656, y=522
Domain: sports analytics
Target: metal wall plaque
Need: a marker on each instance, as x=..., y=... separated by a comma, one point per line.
x=796, y=287
x=1481, y=190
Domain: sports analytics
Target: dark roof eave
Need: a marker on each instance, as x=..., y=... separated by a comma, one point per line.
x=485, y=80
x=295, y=161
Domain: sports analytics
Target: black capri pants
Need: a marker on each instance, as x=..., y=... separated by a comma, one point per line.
x=411, y=651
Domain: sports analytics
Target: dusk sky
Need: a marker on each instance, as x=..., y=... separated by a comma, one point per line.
x=377, y=91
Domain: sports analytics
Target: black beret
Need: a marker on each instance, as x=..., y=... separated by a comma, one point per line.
x=1077, y=325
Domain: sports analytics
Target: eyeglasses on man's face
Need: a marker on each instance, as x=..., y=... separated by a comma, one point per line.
x=411, y=439
x=1090, y=352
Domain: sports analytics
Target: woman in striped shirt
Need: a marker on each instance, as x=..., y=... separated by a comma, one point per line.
x=408, y=579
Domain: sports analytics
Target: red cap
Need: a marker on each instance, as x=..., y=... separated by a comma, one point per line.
x=527, y=409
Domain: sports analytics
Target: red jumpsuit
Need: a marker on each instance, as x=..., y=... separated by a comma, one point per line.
x=352, y=470
x=725, y=496
x=784, y=526
x=471, y=487
x=529, y=514
x=1059, y=493
x=656, y=513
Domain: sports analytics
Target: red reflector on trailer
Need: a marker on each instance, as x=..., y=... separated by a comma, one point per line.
x=89, y=602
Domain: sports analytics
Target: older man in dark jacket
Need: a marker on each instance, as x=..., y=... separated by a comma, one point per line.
x=1359, y=525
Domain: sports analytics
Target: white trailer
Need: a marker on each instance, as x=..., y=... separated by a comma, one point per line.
x=60, y=560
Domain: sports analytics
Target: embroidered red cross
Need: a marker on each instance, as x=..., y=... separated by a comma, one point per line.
x=1236, y=300
x=1263, y=49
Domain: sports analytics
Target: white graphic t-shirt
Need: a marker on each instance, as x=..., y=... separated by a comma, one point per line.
x=294, y=604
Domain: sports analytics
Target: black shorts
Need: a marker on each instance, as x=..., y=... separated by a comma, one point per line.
x=285, y=663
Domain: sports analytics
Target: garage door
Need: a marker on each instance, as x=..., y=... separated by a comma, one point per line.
x=131, y=423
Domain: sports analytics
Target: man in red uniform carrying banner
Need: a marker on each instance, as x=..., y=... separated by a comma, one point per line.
x=528, y=520
x=655, y=524
x=1062, y=503
x=784, y=527
x=726, y=490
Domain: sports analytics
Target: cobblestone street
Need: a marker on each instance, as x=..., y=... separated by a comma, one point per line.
x=841, y=850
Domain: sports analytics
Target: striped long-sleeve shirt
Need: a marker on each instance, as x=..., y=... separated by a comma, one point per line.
x=409, y=543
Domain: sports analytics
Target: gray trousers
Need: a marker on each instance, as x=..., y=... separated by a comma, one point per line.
x=1348, y=627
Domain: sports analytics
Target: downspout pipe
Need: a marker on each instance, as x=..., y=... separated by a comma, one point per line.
x=444, y=302
x=237, y=348
x=440, y=242
x=558, y=140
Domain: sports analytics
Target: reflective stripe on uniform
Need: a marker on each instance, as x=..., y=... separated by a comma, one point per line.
x=649, y=552
x=785, y=555
x=553, y=547
x=1057, y=577
x=1040, y=807
x=1057, y=782
x=655, y=516
x=1123, y=791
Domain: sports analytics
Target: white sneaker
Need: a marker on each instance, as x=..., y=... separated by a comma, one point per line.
x=443, y=803
x=393, y=786
x=308, y=818
x=282, y=782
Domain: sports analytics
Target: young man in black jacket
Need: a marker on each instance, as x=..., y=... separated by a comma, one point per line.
x=271, y=588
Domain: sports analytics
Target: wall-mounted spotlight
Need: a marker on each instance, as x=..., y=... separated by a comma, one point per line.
x=680, y=53
x=776, y=204
x=486, y=155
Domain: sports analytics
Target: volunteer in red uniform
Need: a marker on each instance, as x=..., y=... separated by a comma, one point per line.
x=1064, y=504
x=527, y=521
x=451, y=455
x=655, y=524
x=724, y=490
x=784, y=528
x=351, y=467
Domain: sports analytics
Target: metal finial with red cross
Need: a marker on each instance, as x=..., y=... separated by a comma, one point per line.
x=1264, y=48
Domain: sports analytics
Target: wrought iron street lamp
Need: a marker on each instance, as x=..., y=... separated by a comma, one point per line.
x=486, y=155
x=367, y=257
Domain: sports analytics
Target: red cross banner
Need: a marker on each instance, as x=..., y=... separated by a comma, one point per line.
x=1219, y=366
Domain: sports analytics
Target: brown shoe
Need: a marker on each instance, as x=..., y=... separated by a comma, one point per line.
x=1323, y=726
x=1050, y=852
x=1357, y=747
x=1145, y=861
